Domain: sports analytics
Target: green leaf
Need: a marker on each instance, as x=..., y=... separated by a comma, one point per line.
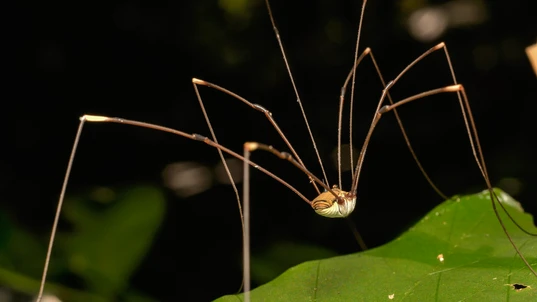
x=457, y=252
x=111, y=239
x=19, y=250
x=24, y=284
x=282, y=255
x=112, y=231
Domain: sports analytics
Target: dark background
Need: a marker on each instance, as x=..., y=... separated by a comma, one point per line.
x=135, y=59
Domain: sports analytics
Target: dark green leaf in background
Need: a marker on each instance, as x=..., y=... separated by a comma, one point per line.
x=112, y=231
x=111, y=243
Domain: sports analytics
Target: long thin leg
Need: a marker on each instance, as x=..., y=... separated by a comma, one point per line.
x=252, y=146
x=354, y=76
x=483, y=167
x=369, y=52
x=246, y=234
x=280, y=44
x=478, y=154
x=226, y=167
x=356, y=234
x=475, y=150
x=474, y=142
x=58, y=211
x=257, y=107
x=340, y=115
x=378, y=114
x=245, y=212
x=195, y=137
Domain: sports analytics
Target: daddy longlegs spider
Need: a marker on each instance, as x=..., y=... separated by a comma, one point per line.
x=331, y=201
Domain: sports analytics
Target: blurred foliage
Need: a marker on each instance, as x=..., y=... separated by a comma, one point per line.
x=110, y=232
x=457, y=252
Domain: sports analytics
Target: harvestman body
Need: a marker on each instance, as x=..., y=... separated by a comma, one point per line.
x=332, y=202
